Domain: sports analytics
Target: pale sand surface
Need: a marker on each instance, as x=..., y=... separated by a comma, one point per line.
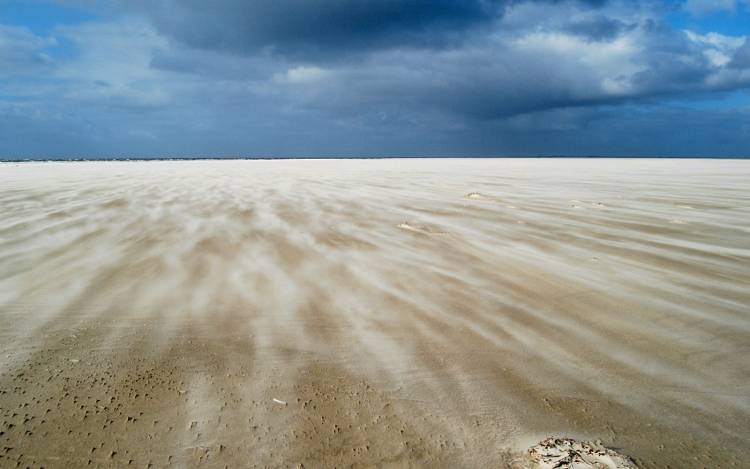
x=425, y=313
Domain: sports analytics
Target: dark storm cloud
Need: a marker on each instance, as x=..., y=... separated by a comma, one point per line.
x=488, y=82
x=324, y=27
x=309, y=26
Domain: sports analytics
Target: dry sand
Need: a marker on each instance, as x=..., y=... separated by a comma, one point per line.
x=392, y=313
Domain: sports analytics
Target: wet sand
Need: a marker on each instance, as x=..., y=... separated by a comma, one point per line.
x=391, y=313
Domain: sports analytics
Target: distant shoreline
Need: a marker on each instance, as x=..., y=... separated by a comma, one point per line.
x=262, y=158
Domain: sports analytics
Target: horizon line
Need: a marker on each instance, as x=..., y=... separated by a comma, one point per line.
x=358, y=157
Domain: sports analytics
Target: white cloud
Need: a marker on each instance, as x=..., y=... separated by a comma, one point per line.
x=113, y=62
x=612, y=62
x=717, y=48
x=719, y=41
x=21, y=51
x=302, y=75
x=707, y=7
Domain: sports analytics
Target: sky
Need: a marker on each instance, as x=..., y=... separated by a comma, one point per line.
x=319, y=78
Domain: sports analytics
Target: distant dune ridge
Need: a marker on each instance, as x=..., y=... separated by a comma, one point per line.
x=392, y=313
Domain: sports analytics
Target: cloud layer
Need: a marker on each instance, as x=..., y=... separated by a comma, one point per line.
x=376, y=77
x=304, y=27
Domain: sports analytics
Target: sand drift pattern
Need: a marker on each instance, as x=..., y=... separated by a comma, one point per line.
x=384, y=312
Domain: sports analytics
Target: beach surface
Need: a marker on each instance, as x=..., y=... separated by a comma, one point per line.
x=359, y=313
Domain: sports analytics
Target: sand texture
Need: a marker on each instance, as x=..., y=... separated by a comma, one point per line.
x=387, y=313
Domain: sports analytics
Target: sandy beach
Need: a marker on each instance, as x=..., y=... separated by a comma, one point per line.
x=360, y=313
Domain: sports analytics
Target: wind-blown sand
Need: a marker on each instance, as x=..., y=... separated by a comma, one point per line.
x=437, y=313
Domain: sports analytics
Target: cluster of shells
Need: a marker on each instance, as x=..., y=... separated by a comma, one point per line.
x=566, y=453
